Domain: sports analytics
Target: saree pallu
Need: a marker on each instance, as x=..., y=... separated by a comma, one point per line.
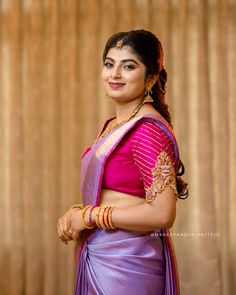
x=112, y=262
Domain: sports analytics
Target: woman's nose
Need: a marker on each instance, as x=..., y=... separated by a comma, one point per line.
x=115, y=73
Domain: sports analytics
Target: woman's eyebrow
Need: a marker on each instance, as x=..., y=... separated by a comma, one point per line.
x=123, y=60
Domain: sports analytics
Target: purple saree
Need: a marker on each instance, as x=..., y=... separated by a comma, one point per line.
x=120, y=261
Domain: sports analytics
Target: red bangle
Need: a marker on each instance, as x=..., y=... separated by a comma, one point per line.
x=83, y=215
x=90, y=216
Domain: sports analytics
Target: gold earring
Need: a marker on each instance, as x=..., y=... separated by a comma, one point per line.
x=148, y=93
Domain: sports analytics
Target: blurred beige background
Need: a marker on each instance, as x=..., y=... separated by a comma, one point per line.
x=52, y=105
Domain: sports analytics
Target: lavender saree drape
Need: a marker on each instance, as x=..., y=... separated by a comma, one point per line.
x=120, y=261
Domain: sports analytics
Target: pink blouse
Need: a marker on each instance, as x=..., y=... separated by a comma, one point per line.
x=143, y=163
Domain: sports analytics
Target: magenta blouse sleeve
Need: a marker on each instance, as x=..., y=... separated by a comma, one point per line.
x=153, y=154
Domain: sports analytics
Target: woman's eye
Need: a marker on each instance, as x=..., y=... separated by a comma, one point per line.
x=129, y=67
x=108, y=64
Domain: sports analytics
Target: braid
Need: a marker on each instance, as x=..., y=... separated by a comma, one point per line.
x=159, y=96
x=182, y=186
x=162, y=107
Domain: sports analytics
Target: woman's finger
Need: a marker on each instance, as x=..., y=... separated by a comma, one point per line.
x=70, y=231
x=61, y=235
x=64, y=234
x=75, y=235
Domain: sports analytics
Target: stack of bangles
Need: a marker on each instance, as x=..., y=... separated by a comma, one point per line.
x=103, y=218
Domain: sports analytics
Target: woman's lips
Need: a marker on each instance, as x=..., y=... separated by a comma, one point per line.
x=116, y=85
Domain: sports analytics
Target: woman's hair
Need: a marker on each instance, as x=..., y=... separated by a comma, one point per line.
x=149, y=50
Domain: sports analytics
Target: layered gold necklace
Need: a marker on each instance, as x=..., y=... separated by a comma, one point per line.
x=114, y=124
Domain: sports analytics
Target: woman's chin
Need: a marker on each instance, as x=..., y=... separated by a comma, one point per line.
x=116, y=97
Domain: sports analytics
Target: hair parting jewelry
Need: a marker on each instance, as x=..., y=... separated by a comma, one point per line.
x=119, y=44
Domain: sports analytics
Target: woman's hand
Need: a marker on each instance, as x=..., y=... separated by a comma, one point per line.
x=69, y=225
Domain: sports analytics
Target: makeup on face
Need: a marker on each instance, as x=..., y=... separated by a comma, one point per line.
x=123, y=74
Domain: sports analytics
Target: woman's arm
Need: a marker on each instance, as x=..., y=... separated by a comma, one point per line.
x=153, y=154
x=160, y=213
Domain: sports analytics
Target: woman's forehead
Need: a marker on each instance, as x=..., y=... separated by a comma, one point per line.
x=124, y=53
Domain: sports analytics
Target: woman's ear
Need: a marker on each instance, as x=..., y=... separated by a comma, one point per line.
x=151, y=80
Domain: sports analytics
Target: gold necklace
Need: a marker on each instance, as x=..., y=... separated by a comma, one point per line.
x=113, y=123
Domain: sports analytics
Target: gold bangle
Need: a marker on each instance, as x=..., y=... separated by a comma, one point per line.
x=101, y=218
x=92, y=222
x=83, y=214
x=79, y=206
x=106, y=211
x=97, y=218
x=110, y=219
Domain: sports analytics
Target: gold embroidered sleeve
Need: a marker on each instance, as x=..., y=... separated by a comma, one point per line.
x=163, y=175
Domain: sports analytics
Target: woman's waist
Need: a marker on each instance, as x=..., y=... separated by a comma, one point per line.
x=119, y=199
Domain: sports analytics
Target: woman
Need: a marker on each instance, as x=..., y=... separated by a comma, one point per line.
x=130, y=180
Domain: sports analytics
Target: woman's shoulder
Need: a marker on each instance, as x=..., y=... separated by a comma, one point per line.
x=152, y=137
x=149, y=114
x=153, y=132
x=153, y=126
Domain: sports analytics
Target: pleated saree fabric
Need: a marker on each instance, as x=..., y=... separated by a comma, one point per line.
x=121, y=261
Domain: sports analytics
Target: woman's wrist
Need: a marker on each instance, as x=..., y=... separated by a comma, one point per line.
x=77, y=206
x=100, y=216
x=94, y=214
x=90, y=215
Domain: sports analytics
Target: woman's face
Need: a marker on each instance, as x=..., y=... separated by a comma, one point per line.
x=123, y=74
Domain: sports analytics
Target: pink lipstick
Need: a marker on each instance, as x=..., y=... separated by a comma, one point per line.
x=116, y=85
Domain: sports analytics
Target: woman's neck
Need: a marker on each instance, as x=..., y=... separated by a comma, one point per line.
x=124, y=110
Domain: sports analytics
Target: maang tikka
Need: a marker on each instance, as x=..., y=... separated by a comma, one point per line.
x=119, y=44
